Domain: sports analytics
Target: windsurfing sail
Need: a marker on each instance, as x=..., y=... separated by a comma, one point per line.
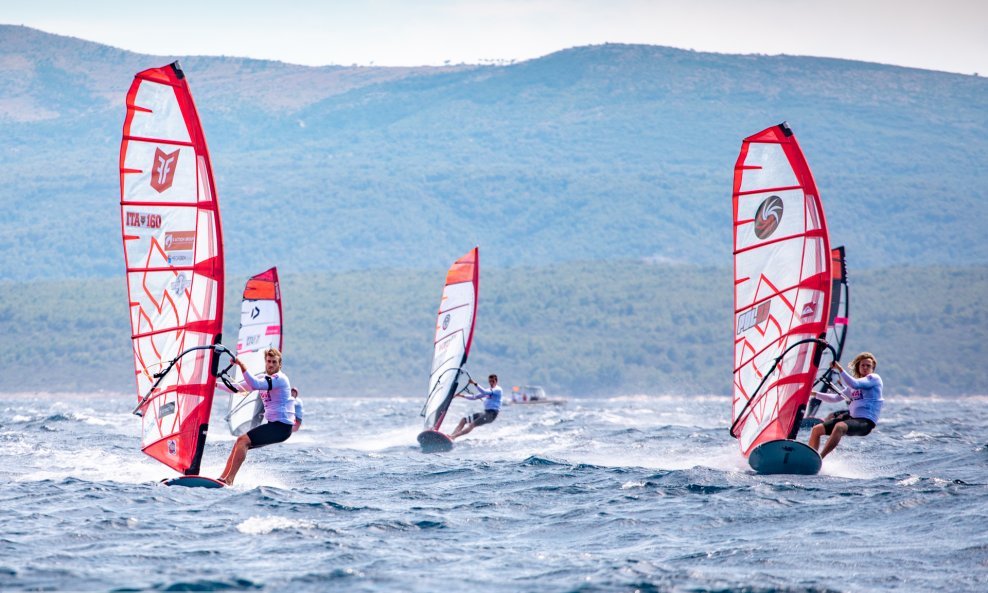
x=837, y=323
x=173, y=249
x=260, y=329
x=782, y=285
x=840, y=305
x=454, y=335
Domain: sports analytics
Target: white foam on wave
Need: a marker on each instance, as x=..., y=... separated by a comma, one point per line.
x=95, y=465
x=911, y=480
x=265, y=525
x=843, y=466
x=396, y=437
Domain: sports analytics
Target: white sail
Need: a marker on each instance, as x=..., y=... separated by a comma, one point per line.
x=260, y=329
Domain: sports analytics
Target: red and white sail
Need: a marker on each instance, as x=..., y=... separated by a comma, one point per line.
x=454, y=335
x=782, y=284
x=260, y=329
x=173, y=249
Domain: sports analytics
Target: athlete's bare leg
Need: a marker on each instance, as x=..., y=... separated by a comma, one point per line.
x=463, y=428
x=840, y=429
x=815, y=434
x=236, y=459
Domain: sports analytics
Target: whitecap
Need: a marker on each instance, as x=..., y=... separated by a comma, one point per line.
x=265, y=525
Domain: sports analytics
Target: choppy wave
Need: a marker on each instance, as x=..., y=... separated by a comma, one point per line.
x=632, y=493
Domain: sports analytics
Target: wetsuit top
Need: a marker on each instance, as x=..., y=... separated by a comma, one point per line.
x=276, y=393
x=298, y=408
x=491, y=397
x=866, y=395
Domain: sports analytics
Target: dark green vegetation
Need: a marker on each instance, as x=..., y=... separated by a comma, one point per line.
x=595, y=153
x=578, y=328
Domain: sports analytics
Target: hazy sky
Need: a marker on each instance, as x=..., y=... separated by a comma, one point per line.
x=950, y=35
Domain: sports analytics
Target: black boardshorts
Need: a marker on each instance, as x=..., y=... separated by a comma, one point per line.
x=481, y=418
x=856, y=427
x=268, y=433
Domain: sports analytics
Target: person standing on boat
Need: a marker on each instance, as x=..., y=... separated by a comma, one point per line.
x=282, y=411
x=492, y=405
x=865, y=392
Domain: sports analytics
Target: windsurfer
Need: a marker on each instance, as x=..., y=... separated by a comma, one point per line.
x=865, y=392
x=492, y=405
x=282, y=411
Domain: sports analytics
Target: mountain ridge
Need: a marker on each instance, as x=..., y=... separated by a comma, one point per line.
x=604, y=152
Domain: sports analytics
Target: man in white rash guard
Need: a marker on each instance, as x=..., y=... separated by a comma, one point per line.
x=864, y=391
x=492, y=405
x=282, y=411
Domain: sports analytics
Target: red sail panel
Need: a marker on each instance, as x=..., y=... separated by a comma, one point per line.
x=782, y=284
x=454, y=335
x=173, y=249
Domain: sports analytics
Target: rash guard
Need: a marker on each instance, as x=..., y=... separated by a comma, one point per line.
x=866, y=395
x=491, y=397
x=276, y=394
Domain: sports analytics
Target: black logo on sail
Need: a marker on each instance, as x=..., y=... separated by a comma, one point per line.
x=446, y=321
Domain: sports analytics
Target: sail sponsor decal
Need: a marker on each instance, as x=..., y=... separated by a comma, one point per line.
x=163, y=169
x=753, y=317
x=142, y=220
x=179, y=246
x=768, y=217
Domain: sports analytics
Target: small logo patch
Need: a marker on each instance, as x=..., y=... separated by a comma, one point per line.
x=809, y=309
x=180, y=240
x=172, y=447
x=446, y=321
x=768, y=216
x=163, y=169
x=753, y=317
x=179, y=284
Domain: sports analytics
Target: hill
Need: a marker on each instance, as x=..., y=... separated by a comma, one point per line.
x=613, y=152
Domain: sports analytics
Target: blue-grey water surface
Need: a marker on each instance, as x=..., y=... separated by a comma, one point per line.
x=634, y=493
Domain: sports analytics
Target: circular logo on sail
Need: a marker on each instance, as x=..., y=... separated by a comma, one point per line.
x=768, y=217
x=446, y=321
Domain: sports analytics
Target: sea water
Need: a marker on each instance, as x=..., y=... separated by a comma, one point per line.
x=640, y=493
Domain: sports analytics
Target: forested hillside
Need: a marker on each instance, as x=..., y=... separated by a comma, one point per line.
x=578, y=329
x=594, y=153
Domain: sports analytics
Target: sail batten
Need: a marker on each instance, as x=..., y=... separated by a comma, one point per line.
x=782, y=270
x=173, y=255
